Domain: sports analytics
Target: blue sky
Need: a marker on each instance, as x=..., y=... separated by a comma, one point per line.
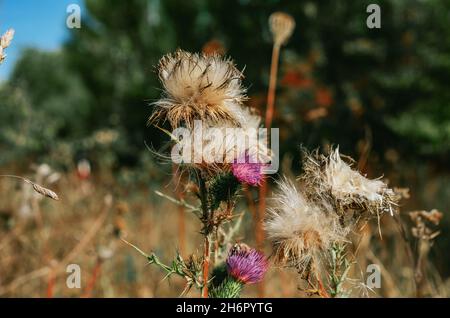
x=38, y=23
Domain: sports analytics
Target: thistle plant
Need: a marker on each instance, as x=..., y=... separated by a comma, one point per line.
x=310, y=220
x=206, y=89
x=309, y=229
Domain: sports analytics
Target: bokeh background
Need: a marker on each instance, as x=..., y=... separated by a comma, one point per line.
x=73, y=99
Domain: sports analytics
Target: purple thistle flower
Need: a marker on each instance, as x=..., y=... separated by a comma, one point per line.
x=246, y=264
x=247, y=172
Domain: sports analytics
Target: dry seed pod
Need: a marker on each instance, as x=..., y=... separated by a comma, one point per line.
x=281, y=25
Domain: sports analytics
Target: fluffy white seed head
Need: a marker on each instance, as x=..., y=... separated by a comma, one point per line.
x=198, y=86
x=329, y=180
x=299, y=230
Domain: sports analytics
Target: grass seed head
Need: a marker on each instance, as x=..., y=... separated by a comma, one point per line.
x=5, y=41
x=45, y=192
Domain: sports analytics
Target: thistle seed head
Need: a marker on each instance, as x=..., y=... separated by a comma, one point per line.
x=198, y=87
x=330, y=181
x=299, y=230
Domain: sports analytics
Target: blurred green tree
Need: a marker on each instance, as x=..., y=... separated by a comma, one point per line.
x=42, y=102
x=384, y=85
